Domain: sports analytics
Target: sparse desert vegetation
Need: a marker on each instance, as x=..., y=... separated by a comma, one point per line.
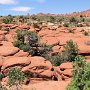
x=45, y=49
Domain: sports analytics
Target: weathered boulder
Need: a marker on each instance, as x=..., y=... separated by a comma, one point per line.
x=56, y=48
x=21, y=53
x=5, y=43
x=9, y=38
x=67, y=65
x=8, y=50
x=68, y=72
x=3, y=32
x=49, y=40
x=46, y=74
x=1, y=60
x=14, y=61
x=37, y=63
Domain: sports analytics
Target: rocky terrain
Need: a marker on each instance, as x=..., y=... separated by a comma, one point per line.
x=43, y=75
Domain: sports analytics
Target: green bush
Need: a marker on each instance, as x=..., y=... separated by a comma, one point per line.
x=81, y=75
x=1, y=76
x=44, y=50
x=66, y=24
x=4, y=39
x=8, y=19
x=73, y=20
x=24, y=47
x=36, y=25
x=55, y=59
x=33, y=39
x=32, y=47
x=17, y=43
x=70, y=51
x=86, y=33
x=15, y=76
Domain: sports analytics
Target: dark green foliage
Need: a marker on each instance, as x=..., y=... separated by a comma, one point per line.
x=81, y=75
x=86, y=33
x=33, y=39
x=34, y=18
x=70, y=30
x=52, y=19
x=8, y=20
x=17, y=43
x=15, y=76
x=73, y=20
x=32, y=47
x=70, y=51
x=1, y=76
x=66, y=24
x=44, y=50
x=24, y=47
x=55, y=59
x=22, y=19
x=36, y=25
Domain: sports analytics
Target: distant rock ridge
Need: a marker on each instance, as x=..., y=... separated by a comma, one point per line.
x=85, y=13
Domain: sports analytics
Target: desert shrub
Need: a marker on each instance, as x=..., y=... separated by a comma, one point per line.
x=81, y=75
x=33, y=39
x=66, y=24
x=22, y=19
x=8, y=19
x=20, y=39
x=32, y=47
x=24, y=47
x=36, y=25
x=68, y=54
x=55, y=59
x=4, y=39
x=51, y=19
x=86, y=33
x=34, y=18
x=73, y=20
x=15, y=76
x=17, y=43
x=44, y=50
x=7, y=29
x=1, y=76
x=70, y=30
x=70, y=51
